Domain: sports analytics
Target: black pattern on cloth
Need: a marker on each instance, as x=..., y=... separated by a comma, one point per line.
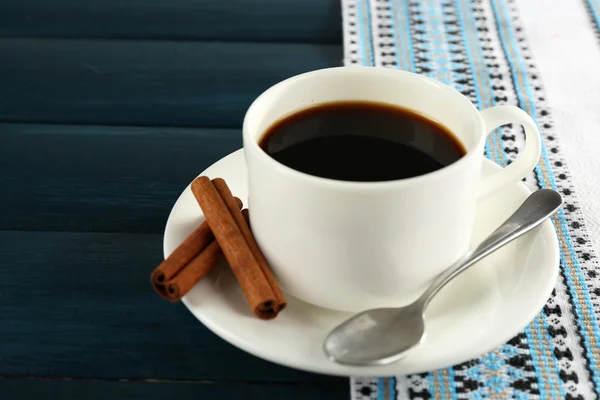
x=593, y=10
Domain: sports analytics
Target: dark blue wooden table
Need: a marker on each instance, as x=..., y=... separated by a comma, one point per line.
x=107, y=110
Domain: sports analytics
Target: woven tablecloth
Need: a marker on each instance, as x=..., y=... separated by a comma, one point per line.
x=542, y=56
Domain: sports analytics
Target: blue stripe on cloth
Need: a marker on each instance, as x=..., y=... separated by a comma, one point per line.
x=366, y=32
x=446, y=384
x=392, y=388
x=431, y=380
x=386, y=388
x=362, y=42
x=371, y=60
x=594, y=10
x=583, y=308
x=452, y=383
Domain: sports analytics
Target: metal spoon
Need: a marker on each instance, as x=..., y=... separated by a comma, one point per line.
x=384, y=335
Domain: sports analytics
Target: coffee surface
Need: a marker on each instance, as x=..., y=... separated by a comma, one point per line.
x=361, y=141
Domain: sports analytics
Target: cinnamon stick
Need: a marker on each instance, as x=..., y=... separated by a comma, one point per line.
x=239, y=219
x=193, y=272
x=197, y=269
x=182, y=255
x=246, y=214
x=255, y=286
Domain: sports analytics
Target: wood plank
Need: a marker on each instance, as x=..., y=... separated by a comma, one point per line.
x=147, y=83
x=316, y=21
x=101, y=178
x=80, y=305
x=102, y=390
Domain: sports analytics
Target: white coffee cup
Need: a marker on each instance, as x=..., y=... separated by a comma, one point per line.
x=358, y=245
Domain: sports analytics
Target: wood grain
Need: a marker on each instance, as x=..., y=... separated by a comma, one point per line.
x=81, y=305
x=147, y=83
x=316, y=21
x=101, y=178
x=108, y=110
x=99, y=390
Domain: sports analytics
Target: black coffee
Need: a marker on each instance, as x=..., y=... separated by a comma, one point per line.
x=361, y=141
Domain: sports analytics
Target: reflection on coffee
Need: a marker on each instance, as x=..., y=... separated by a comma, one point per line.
x=361, y=141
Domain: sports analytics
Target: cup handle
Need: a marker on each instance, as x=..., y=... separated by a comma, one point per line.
x=494, y=117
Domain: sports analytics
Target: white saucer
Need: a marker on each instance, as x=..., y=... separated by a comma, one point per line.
x=479, y=311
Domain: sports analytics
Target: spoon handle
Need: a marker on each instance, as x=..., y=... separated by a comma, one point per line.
x=536, y=208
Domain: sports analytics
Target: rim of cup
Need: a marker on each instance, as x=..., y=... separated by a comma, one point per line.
x=251, y=142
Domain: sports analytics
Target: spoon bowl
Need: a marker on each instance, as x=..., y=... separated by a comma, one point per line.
x=396, y=330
